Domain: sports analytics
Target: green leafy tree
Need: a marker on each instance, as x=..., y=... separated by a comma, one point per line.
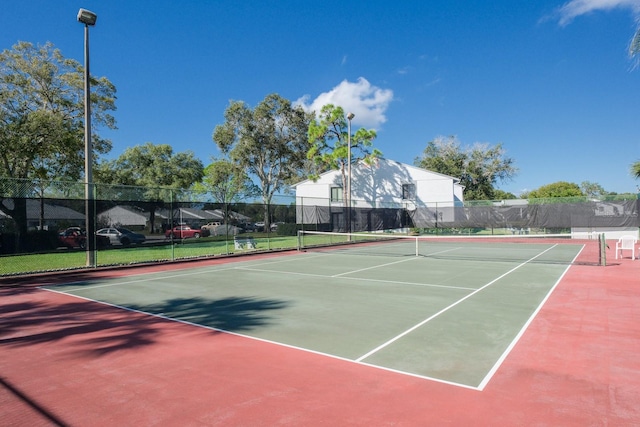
x=503, y=195
x=479, y=167
x=42, y=112
x=227, y=183
x=269, y=142
x=592, y=189
x=156, y=168
x=42, y=118
x=329, y=139
x=556, y=189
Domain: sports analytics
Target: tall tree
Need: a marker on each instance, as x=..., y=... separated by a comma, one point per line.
x=42, y=118
x=42, y=112
x=226, y=182
x=479, y=167
x=269, y=142
x=154, y=167
x=329, y=138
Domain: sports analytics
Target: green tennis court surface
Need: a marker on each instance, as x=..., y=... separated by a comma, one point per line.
x=451, y=320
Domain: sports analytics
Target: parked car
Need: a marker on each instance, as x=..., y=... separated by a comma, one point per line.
x=76, y=237
x=249, y=227
x=210, y=225
x=123, y=236
x=183, y=232
x=274, y=225
x=225, y=229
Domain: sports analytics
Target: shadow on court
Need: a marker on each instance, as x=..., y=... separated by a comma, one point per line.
x=38, y=322
x=234, y=314
x=96, y=329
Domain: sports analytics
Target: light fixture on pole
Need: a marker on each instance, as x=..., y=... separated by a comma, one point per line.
x=88, y=18
x=350, y=117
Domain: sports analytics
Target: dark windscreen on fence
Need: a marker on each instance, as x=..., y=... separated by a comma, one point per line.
x=49, y=218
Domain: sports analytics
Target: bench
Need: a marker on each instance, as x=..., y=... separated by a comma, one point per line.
x=242, y=243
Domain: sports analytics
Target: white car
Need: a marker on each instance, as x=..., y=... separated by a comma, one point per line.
x=225, y=229
x=121, y=236
x=210, y=226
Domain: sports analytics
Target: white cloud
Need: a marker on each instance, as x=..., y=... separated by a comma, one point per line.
x=367, y=102
x=574, y=8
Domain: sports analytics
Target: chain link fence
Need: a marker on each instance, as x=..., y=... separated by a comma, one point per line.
x=43, y=223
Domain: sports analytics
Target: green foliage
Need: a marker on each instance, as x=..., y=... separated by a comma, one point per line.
x=226, y=182
x=155, y=169
x=557, y=189
x=268, y=142
x=592, y=190
x=152, y=166
x=288, y=229
x=503, y=195
x=635, y=169
x=42, y=113
x=479, y=167
x=329, y=141
x=42, y=118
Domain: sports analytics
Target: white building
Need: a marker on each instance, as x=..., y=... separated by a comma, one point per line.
x=386, y=184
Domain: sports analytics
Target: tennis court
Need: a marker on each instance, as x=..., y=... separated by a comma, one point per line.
x=451, y=314
x=352, y=334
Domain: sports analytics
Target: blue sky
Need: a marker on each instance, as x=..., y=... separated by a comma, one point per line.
x=551, y=80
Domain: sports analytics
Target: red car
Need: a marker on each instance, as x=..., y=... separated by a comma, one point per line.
x=76, y=237
x=183, y=232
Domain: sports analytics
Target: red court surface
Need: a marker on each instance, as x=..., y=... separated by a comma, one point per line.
x=68, y=361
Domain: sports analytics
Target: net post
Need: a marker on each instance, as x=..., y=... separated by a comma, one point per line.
x=299, y=240
x=417, y=246
x=603, y=249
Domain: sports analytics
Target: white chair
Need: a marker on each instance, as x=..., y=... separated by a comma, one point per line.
x=238, y=244
x=626, y=243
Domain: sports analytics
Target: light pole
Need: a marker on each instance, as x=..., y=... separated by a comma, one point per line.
x=88, y=18
x=350, y=117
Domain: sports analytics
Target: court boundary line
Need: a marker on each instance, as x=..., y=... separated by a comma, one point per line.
x=358, y=361
x=428, y=319
x=263, y=340
x=157, y=276
x=524, y=328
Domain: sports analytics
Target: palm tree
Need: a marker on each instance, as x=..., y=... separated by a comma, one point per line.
x=634, y=47
x=635, y=169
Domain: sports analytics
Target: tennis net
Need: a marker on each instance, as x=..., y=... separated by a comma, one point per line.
x=542, y=248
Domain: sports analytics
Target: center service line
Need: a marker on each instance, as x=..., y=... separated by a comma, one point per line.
x=413, y=328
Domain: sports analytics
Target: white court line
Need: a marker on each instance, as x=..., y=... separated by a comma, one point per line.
x=375, y=266
x=264, y=340
x=413, y=328
x=359, y=279
x=147, y=279
x=390, y=263
x=157, y=276
x=502, y=358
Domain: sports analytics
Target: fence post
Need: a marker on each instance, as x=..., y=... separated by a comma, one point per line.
x=603, y=250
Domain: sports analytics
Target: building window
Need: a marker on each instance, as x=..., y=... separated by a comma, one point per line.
x=336, y=194
x=408, y=191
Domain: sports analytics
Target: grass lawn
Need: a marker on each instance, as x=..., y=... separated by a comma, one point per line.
x=64, y=259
